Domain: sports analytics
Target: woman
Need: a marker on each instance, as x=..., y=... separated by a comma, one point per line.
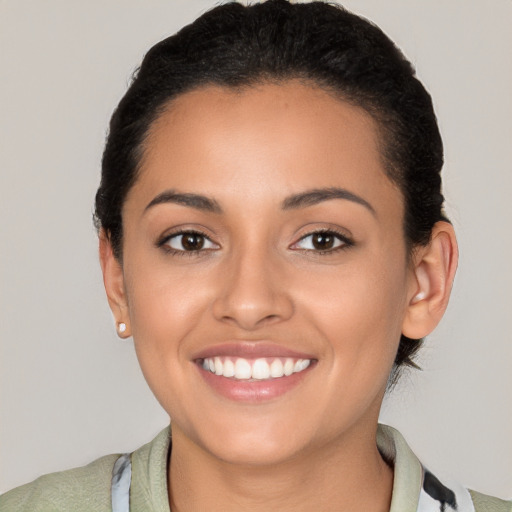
x=272, y=236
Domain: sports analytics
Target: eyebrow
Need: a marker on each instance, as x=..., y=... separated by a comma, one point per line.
x=196, y=201
x=296, y=201
x=319, y=195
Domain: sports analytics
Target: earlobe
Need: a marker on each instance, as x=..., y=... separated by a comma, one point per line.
x=113, y=280
x=434, y=271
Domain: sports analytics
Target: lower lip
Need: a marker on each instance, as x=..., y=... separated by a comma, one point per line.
x=254, y=391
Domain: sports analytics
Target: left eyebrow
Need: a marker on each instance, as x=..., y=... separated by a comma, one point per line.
x=319, y=195
x=196, y=201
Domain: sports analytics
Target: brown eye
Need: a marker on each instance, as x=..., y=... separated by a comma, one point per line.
x=323, y=241
x=190, y=241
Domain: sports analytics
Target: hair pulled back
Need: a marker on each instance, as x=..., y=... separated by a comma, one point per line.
x=238, y=46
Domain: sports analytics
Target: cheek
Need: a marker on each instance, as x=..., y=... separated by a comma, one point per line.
x=359, y=307
x=163, y=301
x=359, y=314
x=165, y=308
x=370, y=286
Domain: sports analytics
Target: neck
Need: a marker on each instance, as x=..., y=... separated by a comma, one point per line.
x=347, y=474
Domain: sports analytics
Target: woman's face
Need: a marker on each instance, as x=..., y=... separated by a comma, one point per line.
x=265, y=270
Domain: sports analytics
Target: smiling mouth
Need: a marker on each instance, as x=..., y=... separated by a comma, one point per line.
x=238, y=368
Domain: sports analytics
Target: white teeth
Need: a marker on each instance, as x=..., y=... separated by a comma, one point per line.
x=276, y=368
x=305, y=364
x=242, y=369
x=288, y=367
x=258, y=369
x=229, y=368
x=218, y=366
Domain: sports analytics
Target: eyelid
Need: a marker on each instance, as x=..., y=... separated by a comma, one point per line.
x=346, y=241
x=163, y=241
x=343, y=241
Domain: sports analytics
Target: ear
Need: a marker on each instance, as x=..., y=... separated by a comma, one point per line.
x=113, y=279
x=433, y=270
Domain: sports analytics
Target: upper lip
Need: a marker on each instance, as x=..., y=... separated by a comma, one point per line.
x=250, y=350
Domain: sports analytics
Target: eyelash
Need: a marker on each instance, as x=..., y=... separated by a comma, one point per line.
x=162, y=243
x=346, y=242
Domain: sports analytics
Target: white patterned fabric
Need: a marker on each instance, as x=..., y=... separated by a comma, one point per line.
x=138, y=483
x=438, y=497
x=121, y=481
x=433, y=496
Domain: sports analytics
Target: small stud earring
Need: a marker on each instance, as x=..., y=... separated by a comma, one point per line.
x=121, y=327
x=419, y=296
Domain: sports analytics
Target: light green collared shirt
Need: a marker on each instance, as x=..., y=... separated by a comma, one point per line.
x=89, y=488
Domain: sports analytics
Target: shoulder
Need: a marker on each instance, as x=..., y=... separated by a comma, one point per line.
x=416, y=488
x=484, y=503
x=89, y=487
x=84, y=488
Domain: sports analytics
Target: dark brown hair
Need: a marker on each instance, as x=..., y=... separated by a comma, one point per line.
x=238, y=46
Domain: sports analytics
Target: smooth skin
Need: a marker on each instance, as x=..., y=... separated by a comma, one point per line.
x=256, y=273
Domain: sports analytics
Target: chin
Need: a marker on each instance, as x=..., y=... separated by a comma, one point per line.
x=256, y=453
x=259, y=443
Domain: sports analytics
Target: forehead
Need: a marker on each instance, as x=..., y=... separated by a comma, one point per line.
x=271, y=140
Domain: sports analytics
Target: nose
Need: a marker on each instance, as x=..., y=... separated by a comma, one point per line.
x=253, y=293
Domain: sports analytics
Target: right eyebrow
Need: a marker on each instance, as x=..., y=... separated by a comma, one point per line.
x=197, y=201
x=319, y=195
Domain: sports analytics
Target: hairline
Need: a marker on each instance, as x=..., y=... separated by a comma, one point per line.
x=382, y=133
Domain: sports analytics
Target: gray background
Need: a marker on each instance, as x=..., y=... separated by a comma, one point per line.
x=70, y=391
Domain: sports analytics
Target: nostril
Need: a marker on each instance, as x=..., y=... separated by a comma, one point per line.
x=251, y=318
x=250, y=298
